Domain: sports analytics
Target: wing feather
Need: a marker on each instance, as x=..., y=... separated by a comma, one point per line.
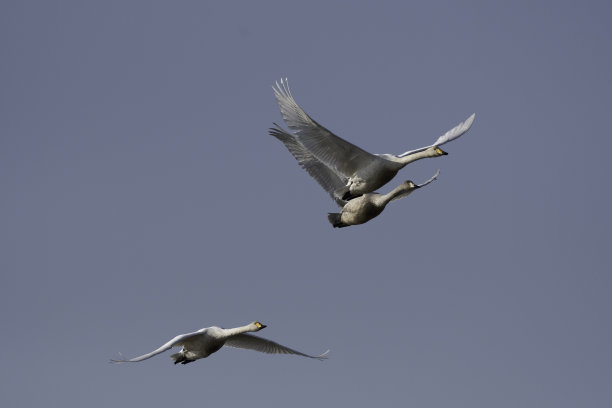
x=344, y=157
x=175, y=342
x=250, y=342
x=452, y=134
x=434, y=177
x=326, y=177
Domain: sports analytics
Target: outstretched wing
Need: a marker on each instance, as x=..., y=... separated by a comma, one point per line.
x=336, y=153
x=326, y=177
x=175, y=342
x=452, y=134
x=435, y=176
x=250, y=342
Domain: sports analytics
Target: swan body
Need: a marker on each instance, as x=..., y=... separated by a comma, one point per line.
x=363, y=208
x=360, y=172
x=204, y=342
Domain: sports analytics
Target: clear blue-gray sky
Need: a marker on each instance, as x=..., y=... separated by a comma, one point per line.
x=142, y=197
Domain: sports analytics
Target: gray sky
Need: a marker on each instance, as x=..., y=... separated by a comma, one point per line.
x=142, y=198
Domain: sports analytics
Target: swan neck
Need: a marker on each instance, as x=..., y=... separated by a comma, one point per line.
x=395, y=193
x=238, y=330
x=430, y=152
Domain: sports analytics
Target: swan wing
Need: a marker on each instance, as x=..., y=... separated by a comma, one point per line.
x=435, y=176
x=250, y=342
x=344, y=157
x=452, y=134
x=175, y=342
x=326, y=177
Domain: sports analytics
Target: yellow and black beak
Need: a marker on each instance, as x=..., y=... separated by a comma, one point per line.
x=440, y=152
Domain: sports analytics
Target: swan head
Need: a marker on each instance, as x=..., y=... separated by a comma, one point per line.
x=439, y=152
x=258, y=326
x=409, y=185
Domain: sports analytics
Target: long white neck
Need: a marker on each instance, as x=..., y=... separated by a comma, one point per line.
x=408, y=157
x=238, y=330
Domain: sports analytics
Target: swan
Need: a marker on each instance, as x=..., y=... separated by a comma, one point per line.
x=204, y=342
x=365, y=207
x=361, y=172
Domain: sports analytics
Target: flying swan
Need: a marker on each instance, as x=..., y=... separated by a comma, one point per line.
x=360, y=172
x=363, y=208
x=204, y=342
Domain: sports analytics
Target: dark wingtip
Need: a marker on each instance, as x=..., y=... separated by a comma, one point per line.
x=335, y=219
x=348, y=196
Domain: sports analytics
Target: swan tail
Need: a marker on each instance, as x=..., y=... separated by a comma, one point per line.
x=180, y=358
x=335, y=219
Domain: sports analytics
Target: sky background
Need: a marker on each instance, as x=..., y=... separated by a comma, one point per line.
x=141, y=197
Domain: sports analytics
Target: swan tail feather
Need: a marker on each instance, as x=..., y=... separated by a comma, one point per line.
x=335, y=219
